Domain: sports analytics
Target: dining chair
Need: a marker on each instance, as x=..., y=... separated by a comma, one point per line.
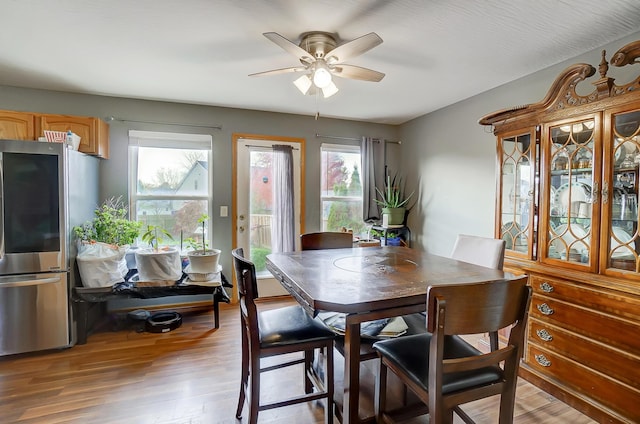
x=441, y=368
x=326, y=240
x=483, y=251
x=276, y=332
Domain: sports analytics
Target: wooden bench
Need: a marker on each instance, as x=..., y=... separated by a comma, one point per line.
x=85, y=298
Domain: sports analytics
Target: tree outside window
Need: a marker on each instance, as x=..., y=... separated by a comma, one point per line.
x=341, y=188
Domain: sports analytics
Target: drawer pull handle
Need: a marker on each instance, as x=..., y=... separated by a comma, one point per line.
x=545, y=309
x=544, y=335
x=542, y=360
x=546, y=287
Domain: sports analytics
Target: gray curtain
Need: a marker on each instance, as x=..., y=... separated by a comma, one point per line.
x=283, y=226
x=369, y=206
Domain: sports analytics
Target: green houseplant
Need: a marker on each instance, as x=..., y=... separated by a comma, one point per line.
x=110, y=225
x=393, y=201
x=103, y=243
x=202, y=260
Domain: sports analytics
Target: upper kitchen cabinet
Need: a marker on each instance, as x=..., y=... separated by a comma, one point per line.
x=567, y=189
x=94, y=132
x=17, y=125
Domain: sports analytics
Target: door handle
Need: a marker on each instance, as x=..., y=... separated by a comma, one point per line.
x=241, y=229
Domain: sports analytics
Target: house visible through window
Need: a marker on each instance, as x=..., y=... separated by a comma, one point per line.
x=170, y=183
x=341, y=188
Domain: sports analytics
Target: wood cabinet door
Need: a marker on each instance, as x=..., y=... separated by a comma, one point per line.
x=92, y=131
x=17, y=125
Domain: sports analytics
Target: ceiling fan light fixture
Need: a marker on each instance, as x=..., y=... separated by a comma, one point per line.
x=321, y=75
x=329, y=90
x=303, y=84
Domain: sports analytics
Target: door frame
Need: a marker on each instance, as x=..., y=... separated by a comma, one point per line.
x=234, y=183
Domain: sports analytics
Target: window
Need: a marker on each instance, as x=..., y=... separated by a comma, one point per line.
x=170, y=182
x=341, y=188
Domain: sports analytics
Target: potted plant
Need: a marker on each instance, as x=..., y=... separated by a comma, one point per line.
x=158, y=263
x=202, y=260
x=103, y=243
x=393, y=201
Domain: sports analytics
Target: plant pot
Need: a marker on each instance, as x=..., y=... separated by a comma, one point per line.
x=101, y=264
x=392, y=216
x=204, y=262
x=158, y=265
x=368, y=243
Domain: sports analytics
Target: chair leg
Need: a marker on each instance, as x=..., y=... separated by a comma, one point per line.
x=308, y=365
x=254, y=391
x=328, y=384
x=244, y=375
x=380, y=399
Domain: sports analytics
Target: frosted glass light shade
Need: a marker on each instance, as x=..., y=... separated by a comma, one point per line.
x=303, y=84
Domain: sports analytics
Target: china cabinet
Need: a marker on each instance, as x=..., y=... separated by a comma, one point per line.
x=567, y=208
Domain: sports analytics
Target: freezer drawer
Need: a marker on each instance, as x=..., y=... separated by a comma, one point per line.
x=34, y=313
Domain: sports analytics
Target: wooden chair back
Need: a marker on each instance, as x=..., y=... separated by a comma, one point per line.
x=326, y=240
x=247, y=284
x=460, y=309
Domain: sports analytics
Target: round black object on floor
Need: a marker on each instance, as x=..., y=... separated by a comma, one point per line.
x=163, y=322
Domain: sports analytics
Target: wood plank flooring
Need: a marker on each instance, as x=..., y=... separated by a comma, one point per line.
x=187, y=376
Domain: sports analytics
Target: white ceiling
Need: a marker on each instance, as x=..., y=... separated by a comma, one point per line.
x=434, y=53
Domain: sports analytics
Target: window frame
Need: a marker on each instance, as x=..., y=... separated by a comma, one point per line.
x=339, y=148
x=169, y=140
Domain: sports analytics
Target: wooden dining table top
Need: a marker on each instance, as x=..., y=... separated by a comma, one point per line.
x=367, y=283
x=365, y=279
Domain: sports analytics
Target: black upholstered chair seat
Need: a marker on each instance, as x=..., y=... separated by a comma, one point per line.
x=411, y=353
x=289, y=325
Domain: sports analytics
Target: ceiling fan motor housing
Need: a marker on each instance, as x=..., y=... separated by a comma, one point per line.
x=318, y=44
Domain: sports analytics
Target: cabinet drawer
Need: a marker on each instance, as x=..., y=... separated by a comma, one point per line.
x=600, y=299
x=603, y=389
x=608, y=329
x=612, y=362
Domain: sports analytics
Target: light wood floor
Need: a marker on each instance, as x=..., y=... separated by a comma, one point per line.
x=189, y=375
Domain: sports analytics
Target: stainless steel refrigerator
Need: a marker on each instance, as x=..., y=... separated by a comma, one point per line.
x=45, y=190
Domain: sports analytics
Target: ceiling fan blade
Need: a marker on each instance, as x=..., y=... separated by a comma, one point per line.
x=279, y=71
x=353, y=48
x=290, y=47
x=356, y=72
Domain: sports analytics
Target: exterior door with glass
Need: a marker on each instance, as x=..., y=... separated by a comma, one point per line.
x=253, y=200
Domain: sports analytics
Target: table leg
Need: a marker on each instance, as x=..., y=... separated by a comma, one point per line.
x=216, y=308
x=351, y=370
x=82, y=320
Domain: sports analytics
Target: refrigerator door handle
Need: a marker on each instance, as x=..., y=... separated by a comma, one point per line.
x=32, y=282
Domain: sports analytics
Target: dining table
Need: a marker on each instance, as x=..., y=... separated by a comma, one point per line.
x=366, y=284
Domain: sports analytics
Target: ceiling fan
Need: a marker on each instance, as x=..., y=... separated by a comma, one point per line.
x=321, y=58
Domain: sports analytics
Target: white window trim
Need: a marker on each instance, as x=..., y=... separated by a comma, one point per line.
x=174, y=141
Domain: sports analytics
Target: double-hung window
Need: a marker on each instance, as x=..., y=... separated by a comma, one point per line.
x=341, y=188
x=170, y=183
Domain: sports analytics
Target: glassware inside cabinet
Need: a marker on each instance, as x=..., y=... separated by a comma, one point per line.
x=517, y=172
x=571, y=195
x=623, y=196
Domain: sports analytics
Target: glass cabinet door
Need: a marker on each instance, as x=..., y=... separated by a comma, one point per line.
x=620, y=193
x=571, y=193
x=516, y=210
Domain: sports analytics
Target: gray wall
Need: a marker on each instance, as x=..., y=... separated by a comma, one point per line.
x=113, y=172
x=451, y=158
x=446, y=156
